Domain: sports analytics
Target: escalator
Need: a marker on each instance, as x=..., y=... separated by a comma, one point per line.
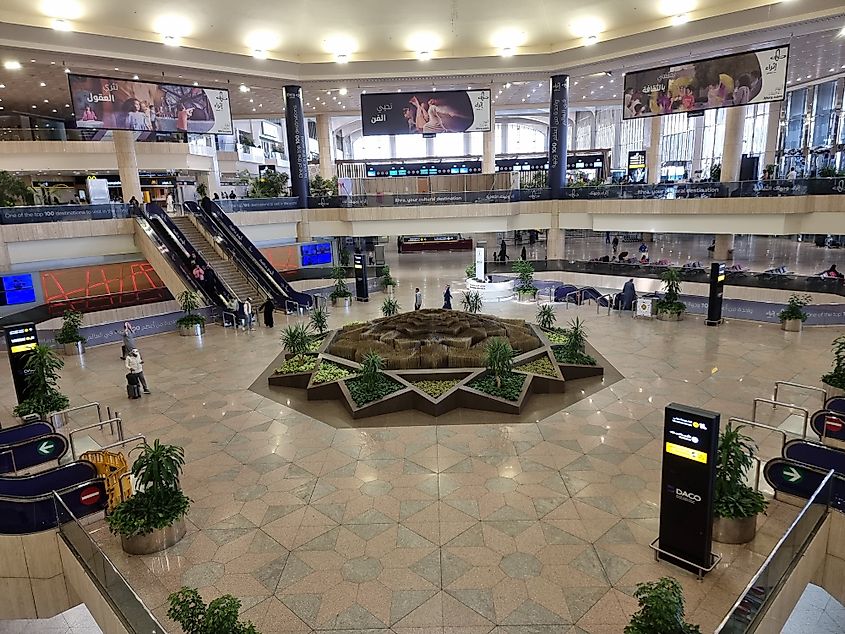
x=178, y=251
x=247, y=256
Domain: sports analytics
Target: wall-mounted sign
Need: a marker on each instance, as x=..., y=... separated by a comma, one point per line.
x=426, y=112
x=637, y=166
x=108, y=103
x=690, y=439
x=730, y=80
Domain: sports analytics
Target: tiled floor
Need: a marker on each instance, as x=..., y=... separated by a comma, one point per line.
x=77, y=620
x=500, y=527
x=816, y=613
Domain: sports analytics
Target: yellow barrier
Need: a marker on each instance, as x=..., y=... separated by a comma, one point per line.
x=113, y=468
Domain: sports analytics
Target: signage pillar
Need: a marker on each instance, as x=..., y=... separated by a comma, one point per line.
x=20, y=340
x=297, y=144
x=717, y=287
x=362, y=290
x=558, y=130
x=480, y=257
x=690, y=442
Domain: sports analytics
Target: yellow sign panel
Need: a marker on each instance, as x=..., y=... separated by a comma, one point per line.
x=23, y=347
x=686, y=452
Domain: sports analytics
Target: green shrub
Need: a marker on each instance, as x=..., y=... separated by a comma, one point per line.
x=386, y=279
x=69, y=333
x=733, y=497
x=509, y=388
x=341, y=289
x=564, y=354
x=471, y=302
x=661, y=609
x=190, y=301
x=836, y=377
x=436, y=388
x=670, y=302
x=296, y=339
x=538, y=366
x=498, y=358
x=546, y=316
x=795, y=307
x=389, y=307
x=365, y=391
x=470, y=271
x=42, y=383
x=319, y=320
x=219, y=617
x=297, y=365
x=329, y=371
x=525, y=277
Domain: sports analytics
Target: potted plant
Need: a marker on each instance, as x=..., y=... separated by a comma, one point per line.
x=190, y=324
x=340, y=293
x=546, y=316
x=498, y=357
x=661, y=609
x=42, y=384
x=574, y=346
x=525, y=278
x=389, y=307
x=388, y=283
x=793, y=316
x=834, y=381
x=297, y=340
x=72, y=342
x=221, y=615
x=736, y=505
x=470, y=271
x=670, y=307
x=471, y=302
x=154, y=517
x=319, y=320
x=202, y=190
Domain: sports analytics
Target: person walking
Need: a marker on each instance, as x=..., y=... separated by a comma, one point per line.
x=135, y=365
x=503, y=252
x=267, y=309
x=447, y=298
x=168, y=204
x=524, y=255
x=417, y=299
x=247, y=311
x=128, y=336
x=615, y=244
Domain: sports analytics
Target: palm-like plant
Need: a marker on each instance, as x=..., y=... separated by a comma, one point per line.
x=525, y=276
x=371, y=367
x=42, y=383
x=576, y=335
x=670, y=302
x=389, y=307
x=386, y=279
x=296, y=339
x=190, y=302
x=340, y=289
x=546, y=316
x=733, y=497
x=498, y=357
x=69, y=333
x=471, y=302
x=836, y=377
x=157, y=468
x=319, y=320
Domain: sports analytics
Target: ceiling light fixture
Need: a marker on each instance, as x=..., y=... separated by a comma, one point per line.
x=590, y=40
x=243, y=88
x=342, y=58
x=196, y=83
x=42, y=84
x=62, y=25
x=343, y=91
x=135, y=77
x=681, y=18
x=507, y=51
x=259, y=53
x=67, y=70
x=170, y=40
x=423, y=56
x=12, y=64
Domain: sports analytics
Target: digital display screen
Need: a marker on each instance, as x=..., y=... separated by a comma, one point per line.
x=315, y=254
x=17, y=289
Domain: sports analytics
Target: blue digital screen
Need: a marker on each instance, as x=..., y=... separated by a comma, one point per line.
x=17, y=289
x=314, y=254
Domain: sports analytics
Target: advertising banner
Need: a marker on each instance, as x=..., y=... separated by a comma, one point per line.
x=636, y=166
x=122, y=104
x=731, y=80
x=426, y=112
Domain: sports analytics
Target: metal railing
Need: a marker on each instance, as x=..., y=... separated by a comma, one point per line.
x=125, y=604
x=747, y=613
x=578, y=298
x=798, y=386
x=757, y=461
x=111, y=422
x=792, y=406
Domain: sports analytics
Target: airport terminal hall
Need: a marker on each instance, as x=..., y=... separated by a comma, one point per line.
x=344, y=317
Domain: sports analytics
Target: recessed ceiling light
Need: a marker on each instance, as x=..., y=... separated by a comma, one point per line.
x=809, y=76
x=46, y=101
x=680, y=19
x=12, y=64
x=54, y=110
x=67, y=105
x=587, y=27
x=601, y=87
x=62, y=25
x=170, y=40
x=42, y=84
x=250, y=101
x=364, y=92
x=590, y=40
x=423, y=56
x=506, y=51
x=508, y=85
x=259, y=53
x=243, y=88
x=253, y=109
x=343, y=91
x=308, y=103
x=196, y=83
x=32, y=60
x=398, y=90
x=342, y=58
x=67, y=70
x=34, y=106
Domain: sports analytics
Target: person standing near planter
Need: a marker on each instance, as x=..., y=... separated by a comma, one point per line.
x=417, y=299
x=135, y=365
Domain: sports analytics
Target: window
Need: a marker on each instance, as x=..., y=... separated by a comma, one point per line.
x=584, y=122
x=676, y=143
x=412, y=145
x=713, y=141
x=795, y=119
x=606, y=121
x=524, y=139
x=631, y=139
x=371, y=147
x=447, y=145
x=824, y=114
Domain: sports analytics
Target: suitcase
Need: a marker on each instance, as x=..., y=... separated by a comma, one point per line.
x=133, y=391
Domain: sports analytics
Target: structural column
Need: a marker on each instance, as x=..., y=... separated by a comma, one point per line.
x=732, y=149
x=488, y=157
x=770, y=154
x=297, y=144
x=724, y=249
x=558, y=128
x=325, y=146
x=127, y=165
x=697, y=146
x=652, y=156
x=556, y=243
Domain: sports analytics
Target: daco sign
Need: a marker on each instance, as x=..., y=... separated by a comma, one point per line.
x=690, y=439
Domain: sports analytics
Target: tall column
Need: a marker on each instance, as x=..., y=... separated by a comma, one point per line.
x=391, y=146
x=297, y=144
x=652, y=155
x=732, y=149
x=697, y=145
x=556, y=243
x=619, y=162
x=558, y=127
x=488, y=157
x=211, y=179
x=325, y=146
x=770, y=154
x=127, y=165
x=724, y=249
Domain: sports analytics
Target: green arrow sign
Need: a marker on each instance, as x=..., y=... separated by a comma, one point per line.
x=46, y=448
x=791, y=474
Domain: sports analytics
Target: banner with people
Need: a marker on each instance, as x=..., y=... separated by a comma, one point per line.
x=426, y=113
x=122, y=104
x=718, y=82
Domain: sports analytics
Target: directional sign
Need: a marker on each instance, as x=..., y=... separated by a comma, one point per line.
x=46, y=448
x=835, y=404
x=795, y=479
x=821, y=456
x=89, y=495
x=828, y=424
x=32, y=452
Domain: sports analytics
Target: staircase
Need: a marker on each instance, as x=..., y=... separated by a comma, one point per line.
x=225, y=269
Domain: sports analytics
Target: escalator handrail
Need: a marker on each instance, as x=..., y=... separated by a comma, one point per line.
x=244, y=244
x=49, y=496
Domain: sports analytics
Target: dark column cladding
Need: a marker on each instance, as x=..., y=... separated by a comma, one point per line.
x=558, y=129
x=297, y=144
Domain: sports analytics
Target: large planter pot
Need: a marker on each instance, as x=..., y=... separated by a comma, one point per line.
x=343, y=302
x=155, y=541
x=75, y=349
x=791, y=325
x=192, y=331
x=670, y=316
x=58, y=420
x=734, y=531
x=833, y=391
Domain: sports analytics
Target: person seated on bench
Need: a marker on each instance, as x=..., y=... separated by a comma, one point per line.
x=832, y=272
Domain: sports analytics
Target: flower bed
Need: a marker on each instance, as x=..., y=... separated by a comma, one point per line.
x=565, y=355
x=330, y=372
x=436, y=389
x=295, y=365
x=538, y=366
x=510, y=390
x=556, y=336
x=363, y=392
